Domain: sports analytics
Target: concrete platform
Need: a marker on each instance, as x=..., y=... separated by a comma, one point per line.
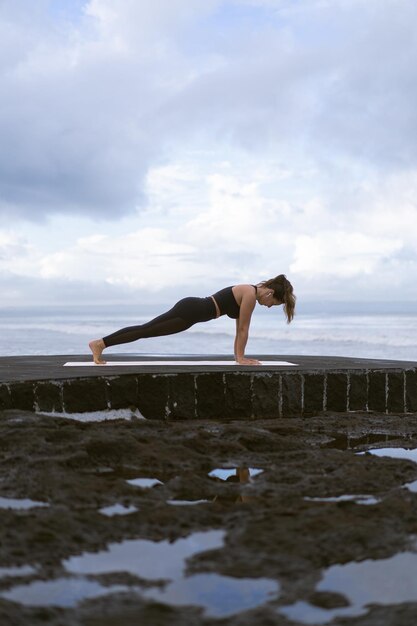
x=314, y=384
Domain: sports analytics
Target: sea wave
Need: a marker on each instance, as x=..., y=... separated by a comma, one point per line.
x=373, y=336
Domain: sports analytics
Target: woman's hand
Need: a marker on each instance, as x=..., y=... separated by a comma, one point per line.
x=244, y=361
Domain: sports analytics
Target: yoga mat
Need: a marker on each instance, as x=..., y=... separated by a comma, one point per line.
x=164, y=363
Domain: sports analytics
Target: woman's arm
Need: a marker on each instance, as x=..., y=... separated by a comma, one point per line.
x=242, y=330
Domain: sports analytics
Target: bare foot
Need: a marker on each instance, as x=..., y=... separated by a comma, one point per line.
x=97, y=346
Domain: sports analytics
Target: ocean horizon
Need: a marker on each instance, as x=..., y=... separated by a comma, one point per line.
x=365, y=330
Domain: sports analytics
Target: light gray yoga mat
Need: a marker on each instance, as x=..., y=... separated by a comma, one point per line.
x=164, y=363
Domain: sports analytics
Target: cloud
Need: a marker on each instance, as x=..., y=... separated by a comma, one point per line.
x=236, y=230
x=133, y=260
x=210, y=222
x=12, y=245
x=226, y=234
x=342, y=254
x=332, y=78
x=185, y=144
x=89, y=106
x=20, y=290
x=79, y=105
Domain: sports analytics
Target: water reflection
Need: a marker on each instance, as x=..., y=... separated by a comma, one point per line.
x=96, y=416
x=23, y=504
x=305, y=613
x=229, y=475
x=395, y=453
x=358, y=499
x=13, y=572
x=383, y=582
x=117, y=509
x=155, y=562
x=411, y=486
x=186, y=502
x=349, y=442
x=220, y=596
x=242, y=474
x=62, y=592
x=163, y=560
x=144, y=483
x=237, y=475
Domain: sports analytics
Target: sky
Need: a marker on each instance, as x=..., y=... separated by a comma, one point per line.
x=153, y=149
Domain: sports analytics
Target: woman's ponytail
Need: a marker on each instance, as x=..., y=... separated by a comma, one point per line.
x=284, y=292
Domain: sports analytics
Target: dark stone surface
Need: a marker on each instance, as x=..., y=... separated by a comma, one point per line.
x=313, y=393
x=22, y=396
x=411, y=391
x=291, y=395
x=210, y=395
x=204, y=391
x=182, y=396
x=395, y=401
x=122, y=392
x=376, y=391
x=153, y=396
x=48, y=396
x=51, y=367
x=266, y=529
x=85, y=395
x=265, y=395
x=358, y=391
x=238, y=396
x=336, y=392
x=5, y=398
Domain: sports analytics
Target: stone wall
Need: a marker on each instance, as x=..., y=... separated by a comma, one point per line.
x=222, y=395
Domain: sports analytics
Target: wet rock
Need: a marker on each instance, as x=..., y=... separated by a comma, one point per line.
x=328, y=600
x=276, y=526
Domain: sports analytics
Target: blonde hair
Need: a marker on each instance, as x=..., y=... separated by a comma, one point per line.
x=284, y=292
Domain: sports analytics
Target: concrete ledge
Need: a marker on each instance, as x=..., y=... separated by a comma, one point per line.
x=222, y=392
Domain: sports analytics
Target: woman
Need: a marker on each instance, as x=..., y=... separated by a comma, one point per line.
x=238, y=302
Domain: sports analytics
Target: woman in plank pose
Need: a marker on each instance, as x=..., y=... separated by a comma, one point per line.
x=238, y=302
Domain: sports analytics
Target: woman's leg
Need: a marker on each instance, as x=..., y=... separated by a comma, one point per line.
x=184, y=314
x=166, y=324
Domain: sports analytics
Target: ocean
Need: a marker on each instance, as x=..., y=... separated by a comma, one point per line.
x=333, y=330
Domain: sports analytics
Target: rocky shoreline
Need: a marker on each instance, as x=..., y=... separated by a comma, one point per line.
x=298, y=501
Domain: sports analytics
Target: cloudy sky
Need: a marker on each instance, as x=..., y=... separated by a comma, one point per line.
x=152, y=149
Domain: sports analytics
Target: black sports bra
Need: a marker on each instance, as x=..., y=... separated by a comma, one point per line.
x=227, y=303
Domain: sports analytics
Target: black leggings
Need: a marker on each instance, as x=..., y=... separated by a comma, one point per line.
x=184, y=314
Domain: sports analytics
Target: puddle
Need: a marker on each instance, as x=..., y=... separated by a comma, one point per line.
x=242, y=474
x=348, y=442
x=12, y=572
x=117, y=509
x=97, y=416
x=395, y=453
x=63, y=592
x=22, y=504
x=411, y=486
x=144, y=483
x=305, y=613
x=358, y=499
x=186, y=502
x=409, y=454
x=155, y=561
x=220, y=596
x=382, y=581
